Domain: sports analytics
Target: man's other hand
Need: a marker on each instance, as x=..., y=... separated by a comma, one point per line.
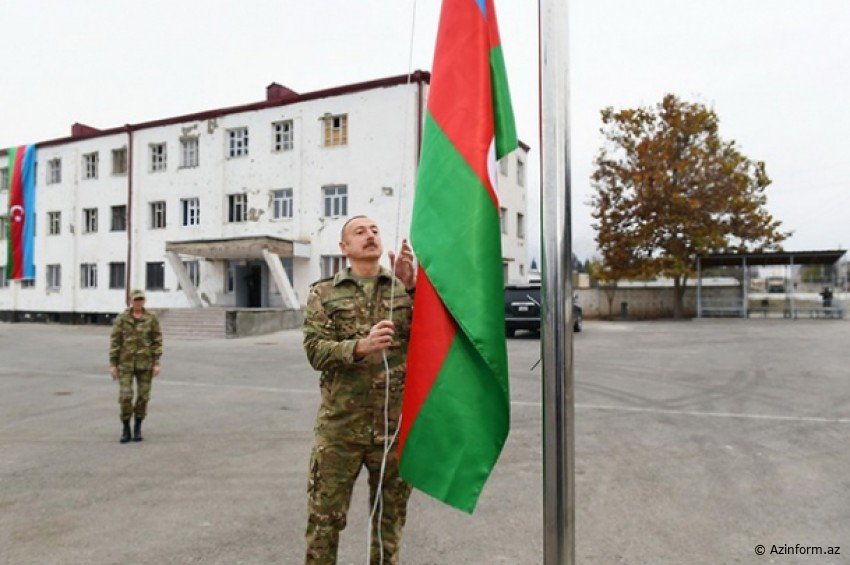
x=403, y=265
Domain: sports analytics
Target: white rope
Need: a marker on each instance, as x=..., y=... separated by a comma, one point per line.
x=378, y=503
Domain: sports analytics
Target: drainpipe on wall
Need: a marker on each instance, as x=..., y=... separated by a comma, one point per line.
x=128, y=272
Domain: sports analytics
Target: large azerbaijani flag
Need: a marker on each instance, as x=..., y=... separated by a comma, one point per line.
x=19, y=254
x=456, y=410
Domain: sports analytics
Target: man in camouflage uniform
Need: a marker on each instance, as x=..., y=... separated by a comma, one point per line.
x=346, y=330
x=134, y=353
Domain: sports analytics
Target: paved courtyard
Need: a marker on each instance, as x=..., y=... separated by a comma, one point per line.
x=696, y=442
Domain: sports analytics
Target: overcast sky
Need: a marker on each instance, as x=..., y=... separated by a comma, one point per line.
x=776, y=71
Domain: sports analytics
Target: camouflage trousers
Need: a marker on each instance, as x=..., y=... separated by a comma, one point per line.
x=143, y=379
x=334, y=466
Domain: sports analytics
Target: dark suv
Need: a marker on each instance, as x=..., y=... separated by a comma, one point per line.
x=522, y=309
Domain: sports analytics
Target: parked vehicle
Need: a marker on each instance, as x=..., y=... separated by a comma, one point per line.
x=522, y=309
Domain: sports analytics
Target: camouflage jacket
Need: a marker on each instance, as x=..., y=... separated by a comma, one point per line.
x=135, y=344
x=338, y=314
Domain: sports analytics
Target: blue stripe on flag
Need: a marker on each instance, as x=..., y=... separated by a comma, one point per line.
x=28, y=185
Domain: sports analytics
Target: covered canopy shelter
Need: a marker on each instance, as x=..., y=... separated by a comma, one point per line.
x=770, y=284
x=269, y=249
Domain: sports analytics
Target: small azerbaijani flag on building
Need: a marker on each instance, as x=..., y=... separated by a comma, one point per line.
x=20, y=261
x=456, y=403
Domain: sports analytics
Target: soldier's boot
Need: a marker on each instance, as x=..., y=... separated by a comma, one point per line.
x=137, y=430
x=125, y=434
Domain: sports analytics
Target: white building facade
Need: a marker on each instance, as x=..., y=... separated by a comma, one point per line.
x=238, y=207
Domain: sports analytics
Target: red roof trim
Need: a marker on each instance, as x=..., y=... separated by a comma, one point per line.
x=415, y=77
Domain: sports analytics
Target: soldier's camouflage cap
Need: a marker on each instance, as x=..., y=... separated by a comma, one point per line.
x=136, y=294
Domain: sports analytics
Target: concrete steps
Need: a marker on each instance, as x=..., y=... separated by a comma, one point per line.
x=194, y=323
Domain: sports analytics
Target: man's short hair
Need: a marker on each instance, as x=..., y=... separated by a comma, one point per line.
x=345, y=225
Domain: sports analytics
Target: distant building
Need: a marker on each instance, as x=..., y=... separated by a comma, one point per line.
x=237, y=207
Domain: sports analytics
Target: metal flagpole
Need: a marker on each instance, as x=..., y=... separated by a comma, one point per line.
x=556, y=335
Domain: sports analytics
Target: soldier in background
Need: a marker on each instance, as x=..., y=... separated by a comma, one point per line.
x=346, y=329
x=134, y=353
x=826, y=297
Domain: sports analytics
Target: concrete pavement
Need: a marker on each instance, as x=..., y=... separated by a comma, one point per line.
x=696, y=441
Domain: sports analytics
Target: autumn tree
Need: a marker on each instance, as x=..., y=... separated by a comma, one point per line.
x=667, y=188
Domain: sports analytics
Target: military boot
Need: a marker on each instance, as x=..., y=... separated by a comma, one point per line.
x=137, y=430
x=125, y=435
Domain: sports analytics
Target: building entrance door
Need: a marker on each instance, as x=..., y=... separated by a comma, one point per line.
x=254, y=285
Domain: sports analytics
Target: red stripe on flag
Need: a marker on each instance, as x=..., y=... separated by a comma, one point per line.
x=492, y=25
x=16, y=215
x=431, y=336
x=461, y=99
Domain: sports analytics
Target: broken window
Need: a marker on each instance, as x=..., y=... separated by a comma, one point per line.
x=90, y=163
x=282, y=136
x=237, y=142
x=237, y=207
x=158, y=157
x=336, y=130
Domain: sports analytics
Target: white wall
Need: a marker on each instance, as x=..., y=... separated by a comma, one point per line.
x=381, y=152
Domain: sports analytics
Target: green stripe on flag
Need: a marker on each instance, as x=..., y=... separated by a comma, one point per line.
x=460, y=430
x=463, y=423
x=456, y=235
x=503, y=114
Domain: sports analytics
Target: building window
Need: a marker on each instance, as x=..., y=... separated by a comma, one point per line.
x=54, y=171
x=119, y=161
x=155, y=276
x=282, y=136
x=191, y=211
x=4, y=227
x=157, y=215
x=336, y=200
x=282, y=203
x=237, y=142
x=54, y=223
x=505, y=271
x=54, y=277
x=3, y=282
x=503, y=166
x=4, y=178
x=28, y=283
x=189, y=152
x=288, y=268
x=119, y=218
x=88, y=275
x=237, y=207
x=229, y=277
x=90, y=162
x=503, y=220
x=521, y=270
x=158, y=157
x=332, y=264
x=520, y=172
x=336, y=130
x=116, y=275
x=194, y=270
x=89, y=220
x=520, y=226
